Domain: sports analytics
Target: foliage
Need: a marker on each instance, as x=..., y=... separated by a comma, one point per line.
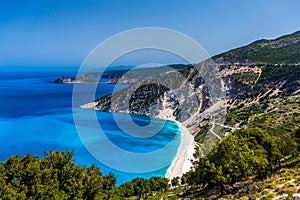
x=142, y=188
x=277, y=116
x=285, y=49
x=244, y=153
x=58, y=177
x=200, y=135
x=54, y=177
x=175, y=181
x=277, y=73
x=296, y=135
x=246, y=77
x=282, y=183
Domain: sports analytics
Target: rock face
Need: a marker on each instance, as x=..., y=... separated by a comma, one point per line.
x=174, y=94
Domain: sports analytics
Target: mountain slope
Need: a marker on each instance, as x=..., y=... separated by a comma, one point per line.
x=199, y=94
x=285, y=49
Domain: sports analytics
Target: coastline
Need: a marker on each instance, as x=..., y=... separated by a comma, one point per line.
x=182, y=161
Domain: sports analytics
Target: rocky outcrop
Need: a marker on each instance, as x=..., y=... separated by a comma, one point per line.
x=72, y=80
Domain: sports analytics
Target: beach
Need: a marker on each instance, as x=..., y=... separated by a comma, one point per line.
x=182, y=161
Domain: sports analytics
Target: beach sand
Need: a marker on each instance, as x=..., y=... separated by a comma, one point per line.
x=182, y=161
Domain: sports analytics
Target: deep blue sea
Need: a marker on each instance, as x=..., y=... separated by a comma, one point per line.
x=37, y=116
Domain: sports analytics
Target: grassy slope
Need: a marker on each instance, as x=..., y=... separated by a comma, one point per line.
x=285, y=49
x=281, y=185
x=275, y=115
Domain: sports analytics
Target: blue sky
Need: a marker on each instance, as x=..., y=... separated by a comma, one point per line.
x=62, y=33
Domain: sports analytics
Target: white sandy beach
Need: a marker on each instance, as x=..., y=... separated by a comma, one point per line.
x=182, y=162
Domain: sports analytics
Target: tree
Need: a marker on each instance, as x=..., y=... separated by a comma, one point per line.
x=175, y=182
x=54, y=177
x=257, y=138
x=245, y=152
x=183, y=181
x=287, y=144
x=141, y=187
x=158, y=184
x=126, y=189
x=296, y=136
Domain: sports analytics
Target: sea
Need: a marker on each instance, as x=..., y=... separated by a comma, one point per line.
x=37, y=116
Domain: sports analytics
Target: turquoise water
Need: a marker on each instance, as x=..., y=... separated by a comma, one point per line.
x=37, y=116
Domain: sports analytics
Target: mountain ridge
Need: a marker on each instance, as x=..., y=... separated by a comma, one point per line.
x=284, y=49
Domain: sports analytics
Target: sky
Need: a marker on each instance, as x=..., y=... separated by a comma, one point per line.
x=62, y=33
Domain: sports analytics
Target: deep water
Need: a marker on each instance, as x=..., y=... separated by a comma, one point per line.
x=37, y=116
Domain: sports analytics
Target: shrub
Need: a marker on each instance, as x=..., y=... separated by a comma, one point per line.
x=292, y=190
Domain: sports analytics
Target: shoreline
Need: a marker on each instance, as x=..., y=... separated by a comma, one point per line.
x=182, y=161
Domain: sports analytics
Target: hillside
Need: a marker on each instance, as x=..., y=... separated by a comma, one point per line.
x=285, y=49
x=196, y=94
x=281, y=185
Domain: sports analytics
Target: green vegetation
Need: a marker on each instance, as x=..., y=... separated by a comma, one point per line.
x=54, y=177
x=201, y=134
x=277, y=73
x=142, y=188
x=58, y=177
x=282, y=184
x=285, y=49
x=276, y=116
x=145, y=96
x=246, y=152
x=246, y=77
x=247, y=155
